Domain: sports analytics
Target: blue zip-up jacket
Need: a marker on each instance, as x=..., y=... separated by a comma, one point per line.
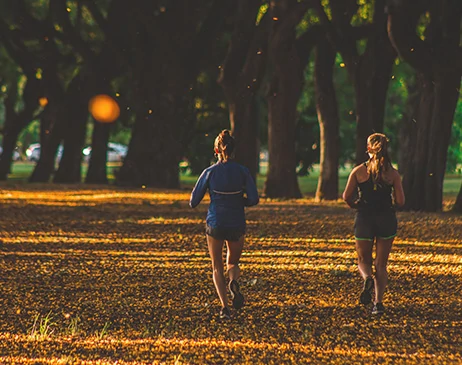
x=227, y=183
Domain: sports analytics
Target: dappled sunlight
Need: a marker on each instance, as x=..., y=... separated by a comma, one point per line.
x=125, y=277
x=209, y=349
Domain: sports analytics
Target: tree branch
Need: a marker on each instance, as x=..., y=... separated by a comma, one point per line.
x=344, y=39
x=253, y=69
x=210, y=27
x=284, y=24
x=307, y=41
x=15, y=47
x=59, y=9
x=401, y=31
x=241, y=38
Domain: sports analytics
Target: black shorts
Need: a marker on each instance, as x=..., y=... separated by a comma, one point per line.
x=369, y=225
x=227, y=234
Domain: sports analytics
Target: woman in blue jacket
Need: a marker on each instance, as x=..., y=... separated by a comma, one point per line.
x=231, y=188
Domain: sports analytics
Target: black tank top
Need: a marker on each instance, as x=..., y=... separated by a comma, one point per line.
x=375, y=196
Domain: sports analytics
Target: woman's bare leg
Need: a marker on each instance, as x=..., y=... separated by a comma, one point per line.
x=216, y=254
x=232, y=258
x=364, y=252
x=383, y=248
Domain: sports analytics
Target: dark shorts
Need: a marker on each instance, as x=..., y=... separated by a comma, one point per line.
x=227, y=234
x=369, y=225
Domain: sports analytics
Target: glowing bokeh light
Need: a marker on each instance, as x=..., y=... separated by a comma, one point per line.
x=43, y=101
x=104, y=108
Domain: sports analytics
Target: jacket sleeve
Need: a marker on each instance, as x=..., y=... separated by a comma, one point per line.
x=199, y=189
x=251, y=190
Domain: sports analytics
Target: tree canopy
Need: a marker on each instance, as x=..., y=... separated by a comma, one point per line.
x=306, y=80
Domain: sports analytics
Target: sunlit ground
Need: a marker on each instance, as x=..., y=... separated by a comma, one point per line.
x=115, y=276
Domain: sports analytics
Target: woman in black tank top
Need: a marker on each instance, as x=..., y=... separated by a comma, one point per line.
x=379, y=188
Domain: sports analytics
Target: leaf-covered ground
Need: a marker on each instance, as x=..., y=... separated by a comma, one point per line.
x=115, y=276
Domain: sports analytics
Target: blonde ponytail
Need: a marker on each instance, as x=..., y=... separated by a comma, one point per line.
x=379, y=161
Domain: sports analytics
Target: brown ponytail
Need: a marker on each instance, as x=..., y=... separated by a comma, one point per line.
x=224, y=144
x=379, y=161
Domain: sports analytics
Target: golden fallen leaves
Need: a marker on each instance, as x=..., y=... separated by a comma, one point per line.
x=116, y=276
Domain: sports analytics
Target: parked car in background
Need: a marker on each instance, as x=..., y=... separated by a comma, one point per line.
x=16, y=154
x=116, y=152
x=33, y=152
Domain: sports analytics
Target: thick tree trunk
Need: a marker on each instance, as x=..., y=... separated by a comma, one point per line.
x=157, y=146
x=244, y=125
x=445, y=102
x=163, y=75
x=326, y=106
x=370, y=72
x=52, y=127
x=97, y=173
x=51, y=136
x=15, y=122
x=408, y=129
x=281, y=180
x=414, y=178
x=284, y=91
x=439, y=75
x=372, y=79
x=75, y=116
x=423, y=183
x=241, y=76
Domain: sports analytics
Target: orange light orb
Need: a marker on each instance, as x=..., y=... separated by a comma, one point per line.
x=104, y=108
x=43, y=101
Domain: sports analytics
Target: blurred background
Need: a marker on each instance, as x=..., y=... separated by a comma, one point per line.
x=134, y=93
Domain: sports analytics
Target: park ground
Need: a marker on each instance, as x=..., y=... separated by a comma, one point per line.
x=105, y=275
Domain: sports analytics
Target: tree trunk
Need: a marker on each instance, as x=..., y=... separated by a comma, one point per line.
x=75, y=116
x=439, y=74
x=52, y=127
x=51, y=132
x=241, y=76
x=157, y=146
x=284, y=91
x=445, y=102
x=244, y=125
x=370, y=71
x=97, y=173
x=408, y=129
x=15, y=122
x=326, y=106
x=372, y=79
x=423, y=183
x=162, y=77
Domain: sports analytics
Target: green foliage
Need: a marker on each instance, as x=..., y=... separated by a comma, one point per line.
x=454, y=161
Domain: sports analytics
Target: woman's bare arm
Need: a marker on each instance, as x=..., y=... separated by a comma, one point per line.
x=350, y=189
x=398, y=192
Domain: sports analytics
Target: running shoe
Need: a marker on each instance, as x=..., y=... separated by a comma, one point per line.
x=366, y=294
x=378, y=309
x=224, y=313
x=236, y=295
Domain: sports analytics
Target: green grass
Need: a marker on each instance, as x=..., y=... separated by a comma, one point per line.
x=22, y=170
x=452, y=182
x=308, y=184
